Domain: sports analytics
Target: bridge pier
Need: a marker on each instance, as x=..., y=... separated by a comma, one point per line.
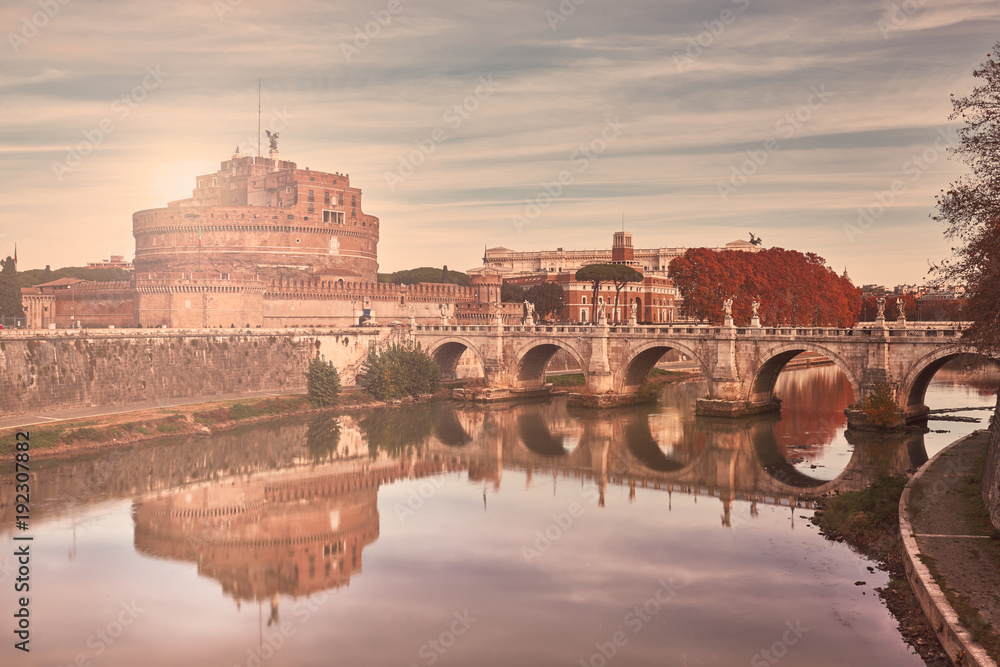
x=720, y=407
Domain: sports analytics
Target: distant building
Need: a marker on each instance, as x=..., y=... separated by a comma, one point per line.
x=116, y=262
x=650, y=261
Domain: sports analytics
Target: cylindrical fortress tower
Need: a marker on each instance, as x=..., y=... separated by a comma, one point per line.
x=265, y=219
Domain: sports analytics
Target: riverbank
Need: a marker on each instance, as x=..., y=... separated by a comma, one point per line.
x=952, y=550
x=932, y=535
x=869, y=522
x=125, y=428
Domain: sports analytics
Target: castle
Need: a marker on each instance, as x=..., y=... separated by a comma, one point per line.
x=260, y=243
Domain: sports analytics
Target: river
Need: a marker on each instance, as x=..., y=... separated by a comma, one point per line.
x=531, y=534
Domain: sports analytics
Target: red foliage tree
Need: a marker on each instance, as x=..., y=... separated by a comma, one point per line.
x=793, y=288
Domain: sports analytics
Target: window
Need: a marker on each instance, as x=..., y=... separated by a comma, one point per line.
x=353, y=202
x=340, y=198
x=335, y=217
x=353, y=214
x=326, y=198
x=312, y=197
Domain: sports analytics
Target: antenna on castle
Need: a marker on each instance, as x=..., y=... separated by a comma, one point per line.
x=258, y=116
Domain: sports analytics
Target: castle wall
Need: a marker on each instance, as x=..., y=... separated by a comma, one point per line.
x=73, y=368
x=97, y=305
x=254, y=241
x=309, y=303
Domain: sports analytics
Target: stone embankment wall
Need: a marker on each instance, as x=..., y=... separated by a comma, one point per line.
x=991, y=475
x=76, y=368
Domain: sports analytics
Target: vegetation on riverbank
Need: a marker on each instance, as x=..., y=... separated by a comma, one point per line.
x=197, y=419
x=869, y=522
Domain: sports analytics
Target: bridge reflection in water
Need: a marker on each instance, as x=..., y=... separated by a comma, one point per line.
x=289, y=510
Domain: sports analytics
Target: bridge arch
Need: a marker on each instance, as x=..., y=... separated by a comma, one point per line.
x=769, y=366
x=447, y=351
x=529, y=361
x=642, y=358
x=913, y=388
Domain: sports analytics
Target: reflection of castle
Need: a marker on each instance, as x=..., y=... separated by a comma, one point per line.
x=292, y=532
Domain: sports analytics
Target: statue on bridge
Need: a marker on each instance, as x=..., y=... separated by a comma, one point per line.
x=755, y=306
x=901, y=308
x=413, y=315
x=880, y=303
x=444, y=313
x=602, y=310
x=727, y=308
x=528, y=314
x=632, y=308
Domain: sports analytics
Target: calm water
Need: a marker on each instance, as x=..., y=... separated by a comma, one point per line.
x=515, y=535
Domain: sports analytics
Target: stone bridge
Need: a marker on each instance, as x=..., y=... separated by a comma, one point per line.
x=741, y=364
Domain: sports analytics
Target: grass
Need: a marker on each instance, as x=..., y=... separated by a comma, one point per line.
x=173, y=421
x=865, y=517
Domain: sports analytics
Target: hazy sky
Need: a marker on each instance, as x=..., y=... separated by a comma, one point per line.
x=699, y=121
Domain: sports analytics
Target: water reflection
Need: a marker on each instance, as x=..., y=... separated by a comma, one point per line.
x=443, y=499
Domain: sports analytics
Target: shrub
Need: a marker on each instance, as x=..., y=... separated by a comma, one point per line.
x=398, y=371
x=879, y=406
x=323, y=382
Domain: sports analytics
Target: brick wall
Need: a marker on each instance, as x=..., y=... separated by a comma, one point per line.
x=63, y=369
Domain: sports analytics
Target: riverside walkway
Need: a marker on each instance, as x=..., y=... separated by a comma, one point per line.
x=952, y=564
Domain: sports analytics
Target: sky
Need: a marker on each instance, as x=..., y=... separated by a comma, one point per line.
x=819, y=127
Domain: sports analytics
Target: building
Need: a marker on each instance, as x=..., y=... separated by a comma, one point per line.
x=655, y=298
x=260, y=243
x=650, y=261
x=116, y=262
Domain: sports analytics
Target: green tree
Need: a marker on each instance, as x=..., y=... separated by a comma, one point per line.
x=424, y=274
x=398, y=371
x=548, y=298
x=322, y=382
x=47, y=274
x=511, y=293
x=970, y=208
x=597, y=274
x=11, y=305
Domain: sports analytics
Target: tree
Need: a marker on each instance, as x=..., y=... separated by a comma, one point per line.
x=322, y=382
x=792, y=287
x=597, y=274
x=548, y=298
x=424, y=274
x=11, y=305
x=970, y=208
x=622, y=276
x=398, y=371
x=47, y=274
x=511, y=293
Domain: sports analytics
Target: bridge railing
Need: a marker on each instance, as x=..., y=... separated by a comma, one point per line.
x=911, y=330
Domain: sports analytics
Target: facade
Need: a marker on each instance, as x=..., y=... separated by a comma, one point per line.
x=654, y=298
x=264, y=219
x=649, y=261
x=116, y=262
